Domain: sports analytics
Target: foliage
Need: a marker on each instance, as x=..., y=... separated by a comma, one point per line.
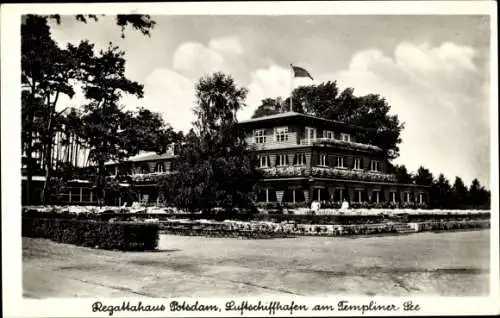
x=47, y=71
x=124, y=236
x=441, y=193
x=140, y=22
x=109, y=132
x=478, y=195
x=423, y=177
x=215, y=168
x=269, y=106
x=402, y=174
x=460, y=193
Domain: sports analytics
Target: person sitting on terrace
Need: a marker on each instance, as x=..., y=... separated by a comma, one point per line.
x=315, y=206
x=345, y=205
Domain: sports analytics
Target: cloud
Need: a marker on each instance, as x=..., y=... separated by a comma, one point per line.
x=171, y=94
x=194, y=59
x=272, y=81
x=439, y=94
x=227, y=45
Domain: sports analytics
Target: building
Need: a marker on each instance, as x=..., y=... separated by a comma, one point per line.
x=302, y=158
x=305, y=158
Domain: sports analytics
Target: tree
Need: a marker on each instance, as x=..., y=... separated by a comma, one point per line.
x=46, y=72
x=109, y=132
x=215, y=167
x=441, y=194
x=479, y=197
x=402, y=174
x=269, y=106
x=140, y=22
x=424, y=177
x=460, y=193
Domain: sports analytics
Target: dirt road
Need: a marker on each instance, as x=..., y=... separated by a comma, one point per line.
x=425, y=263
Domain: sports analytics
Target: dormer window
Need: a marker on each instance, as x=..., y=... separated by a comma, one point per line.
x=345, y=137
x=259, y=136
x=328, y=134
x=281, y=134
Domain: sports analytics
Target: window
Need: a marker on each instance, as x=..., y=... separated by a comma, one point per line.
x=393, y=197
x=377, y=196
x=259, y=136
x=300, y=159
x=421, y=198
x=281, y=134
x=375, y=165
x=357, y=163
x=264, y=161
x=322, y=160
x=407, y=197
x=159, y=167
x=340, y=162
x=281, y=160
x=359, y=195
x=328, y=134
x=345, y=137
x=310, y=134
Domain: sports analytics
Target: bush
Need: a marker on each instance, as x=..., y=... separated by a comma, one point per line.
x=123, y=236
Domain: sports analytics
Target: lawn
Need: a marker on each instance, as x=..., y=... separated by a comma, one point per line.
x=448, y=264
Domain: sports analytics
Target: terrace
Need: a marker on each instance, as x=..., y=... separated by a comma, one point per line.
x=327, y=172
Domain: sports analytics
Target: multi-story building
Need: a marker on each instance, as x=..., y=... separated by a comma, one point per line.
x=305, y=158
x=302, y=158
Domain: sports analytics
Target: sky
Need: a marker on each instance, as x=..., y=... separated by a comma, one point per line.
x=433, y=71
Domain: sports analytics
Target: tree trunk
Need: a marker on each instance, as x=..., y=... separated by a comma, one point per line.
x=48, y=144
x=29, y=158
x=48, y=167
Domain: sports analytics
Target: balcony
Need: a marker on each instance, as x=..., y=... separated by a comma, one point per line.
x=285, y=171
x=327, y=172
x=361, y=175
x=340, y=143
x=146, y=177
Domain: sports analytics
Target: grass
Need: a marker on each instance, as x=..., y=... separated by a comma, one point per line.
x=450, y=264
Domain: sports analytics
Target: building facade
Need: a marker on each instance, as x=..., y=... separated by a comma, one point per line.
x=305, y=158
x=302, y=158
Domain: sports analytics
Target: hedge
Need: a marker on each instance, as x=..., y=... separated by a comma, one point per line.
x=125, y=236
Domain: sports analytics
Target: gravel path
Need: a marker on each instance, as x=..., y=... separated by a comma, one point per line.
x=448, y=264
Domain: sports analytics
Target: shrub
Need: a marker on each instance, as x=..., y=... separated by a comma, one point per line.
x=124, y=236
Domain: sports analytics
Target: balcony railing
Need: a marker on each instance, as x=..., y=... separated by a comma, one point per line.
x=327, y=172
x=351, y=174
x=285, y=171
x=147, y=177
x=341, y=143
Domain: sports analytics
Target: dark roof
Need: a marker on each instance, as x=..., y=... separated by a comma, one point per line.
x=149, y=156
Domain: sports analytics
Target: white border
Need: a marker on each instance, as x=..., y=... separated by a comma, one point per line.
x=14, y=305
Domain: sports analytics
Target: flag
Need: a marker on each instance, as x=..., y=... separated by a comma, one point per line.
x=300, y=72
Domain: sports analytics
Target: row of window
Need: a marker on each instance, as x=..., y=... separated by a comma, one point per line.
x=281, y=135
x=300, y=159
